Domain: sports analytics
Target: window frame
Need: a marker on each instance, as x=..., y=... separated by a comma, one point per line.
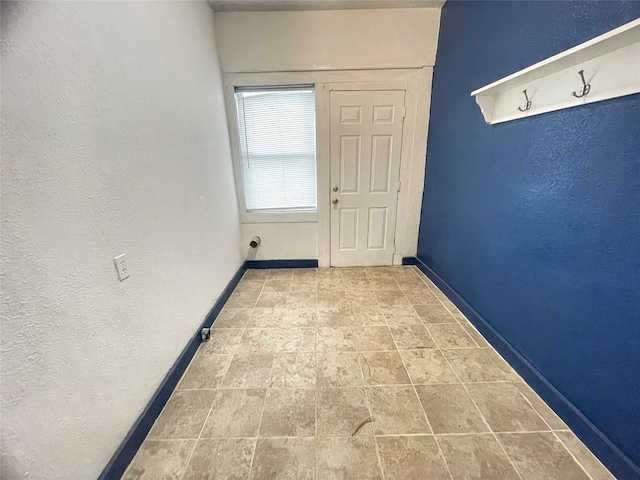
x=268, y=216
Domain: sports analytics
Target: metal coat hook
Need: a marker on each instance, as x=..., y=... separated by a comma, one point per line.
x=527, y=105
x=586, y=87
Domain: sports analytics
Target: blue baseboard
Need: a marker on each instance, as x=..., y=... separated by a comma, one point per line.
x=610, y=455
x=138, y=432
x=409, y=260
x=260, y=264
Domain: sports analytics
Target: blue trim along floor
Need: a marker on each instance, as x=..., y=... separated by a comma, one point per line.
x=362, y=372
x=597, y=442
x=262, y=264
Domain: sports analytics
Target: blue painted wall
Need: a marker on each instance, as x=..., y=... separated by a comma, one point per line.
x=536, y=222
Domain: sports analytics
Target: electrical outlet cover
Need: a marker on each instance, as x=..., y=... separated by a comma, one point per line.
x=121, y=267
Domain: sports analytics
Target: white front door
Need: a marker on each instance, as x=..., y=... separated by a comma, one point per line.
x=366, y=143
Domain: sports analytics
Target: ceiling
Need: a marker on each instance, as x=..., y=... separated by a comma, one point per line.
x=280, y=5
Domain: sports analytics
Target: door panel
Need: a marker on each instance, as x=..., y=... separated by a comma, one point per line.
x=366, y=140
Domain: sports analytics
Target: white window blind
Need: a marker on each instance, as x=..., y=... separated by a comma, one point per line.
x=277, y=129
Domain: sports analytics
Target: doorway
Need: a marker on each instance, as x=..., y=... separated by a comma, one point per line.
x=365, y=150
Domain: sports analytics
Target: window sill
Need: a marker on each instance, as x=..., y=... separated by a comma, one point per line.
x=279, y=217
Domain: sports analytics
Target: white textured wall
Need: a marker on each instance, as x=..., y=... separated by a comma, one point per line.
x=281, y=241
x=327, y=40
x=114, y=139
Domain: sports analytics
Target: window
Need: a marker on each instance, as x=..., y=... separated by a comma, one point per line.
x=277, y=129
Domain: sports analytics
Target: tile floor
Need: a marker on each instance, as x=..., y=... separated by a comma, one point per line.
x=299, y=359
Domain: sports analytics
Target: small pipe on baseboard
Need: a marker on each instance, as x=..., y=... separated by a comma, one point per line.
x=255, y=242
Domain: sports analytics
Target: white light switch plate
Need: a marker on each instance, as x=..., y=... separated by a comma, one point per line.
x=121, y=267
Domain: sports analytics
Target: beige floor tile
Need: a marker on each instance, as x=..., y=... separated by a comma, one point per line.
x=242, y=300
x=255, y=274
x=378, y=272
x=366, y=316
x=412, y=458
x=352, y=272
x=411, y=337
x=333, y=316
x=410, y=282
x=360, y=298
x=476, y=457
x=331, y=299
x=280, y=273
x=397, y=411
x=284, y=458
x=329, y=284
x=299, y=273
x=383, y=283
x=420, y=295
x=541, y=456
x=295, y=340
x=356, y=283
x=221, y=459
x=341, y=410
x=259, y=340
x=232, y=318
x=504, y=367
x=183, y=415
x=300, y=358
x=272, y=300
x=434, y=313
x=347, y=458
x=304, y=285
x=401, y=315
x=235, y=413
x=542, y=408
x=300, y=299
x=276, y=285
x=474, y=365
x=205, y=371
x=289, y=412
x=165, y=459
x=249, y=371
x=449, y=409
x=473, y=333
x=383, y=368
x=428, y=365
x=374, y=338
x=266, y=317
x=450, y=335
x=338, y=369
x=391, y=297
x=252, y=285
x=504, y=408
x=293, y=370
x=223, y=340
x=404, y=271
x=335, y=339
x=591, y=464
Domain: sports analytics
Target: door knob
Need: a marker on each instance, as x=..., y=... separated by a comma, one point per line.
x=334, y=201
x=335, y=189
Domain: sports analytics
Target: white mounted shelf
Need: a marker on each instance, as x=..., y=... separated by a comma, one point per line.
x=611, y=68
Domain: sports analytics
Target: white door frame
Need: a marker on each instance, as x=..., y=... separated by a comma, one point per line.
x=417, y=86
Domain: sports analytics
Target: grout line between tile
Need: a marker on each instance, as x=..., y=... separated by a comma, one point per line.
x=479, y=411
x=424, y=413
x=556, y=436
x=525, y=398
x=372, y=426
